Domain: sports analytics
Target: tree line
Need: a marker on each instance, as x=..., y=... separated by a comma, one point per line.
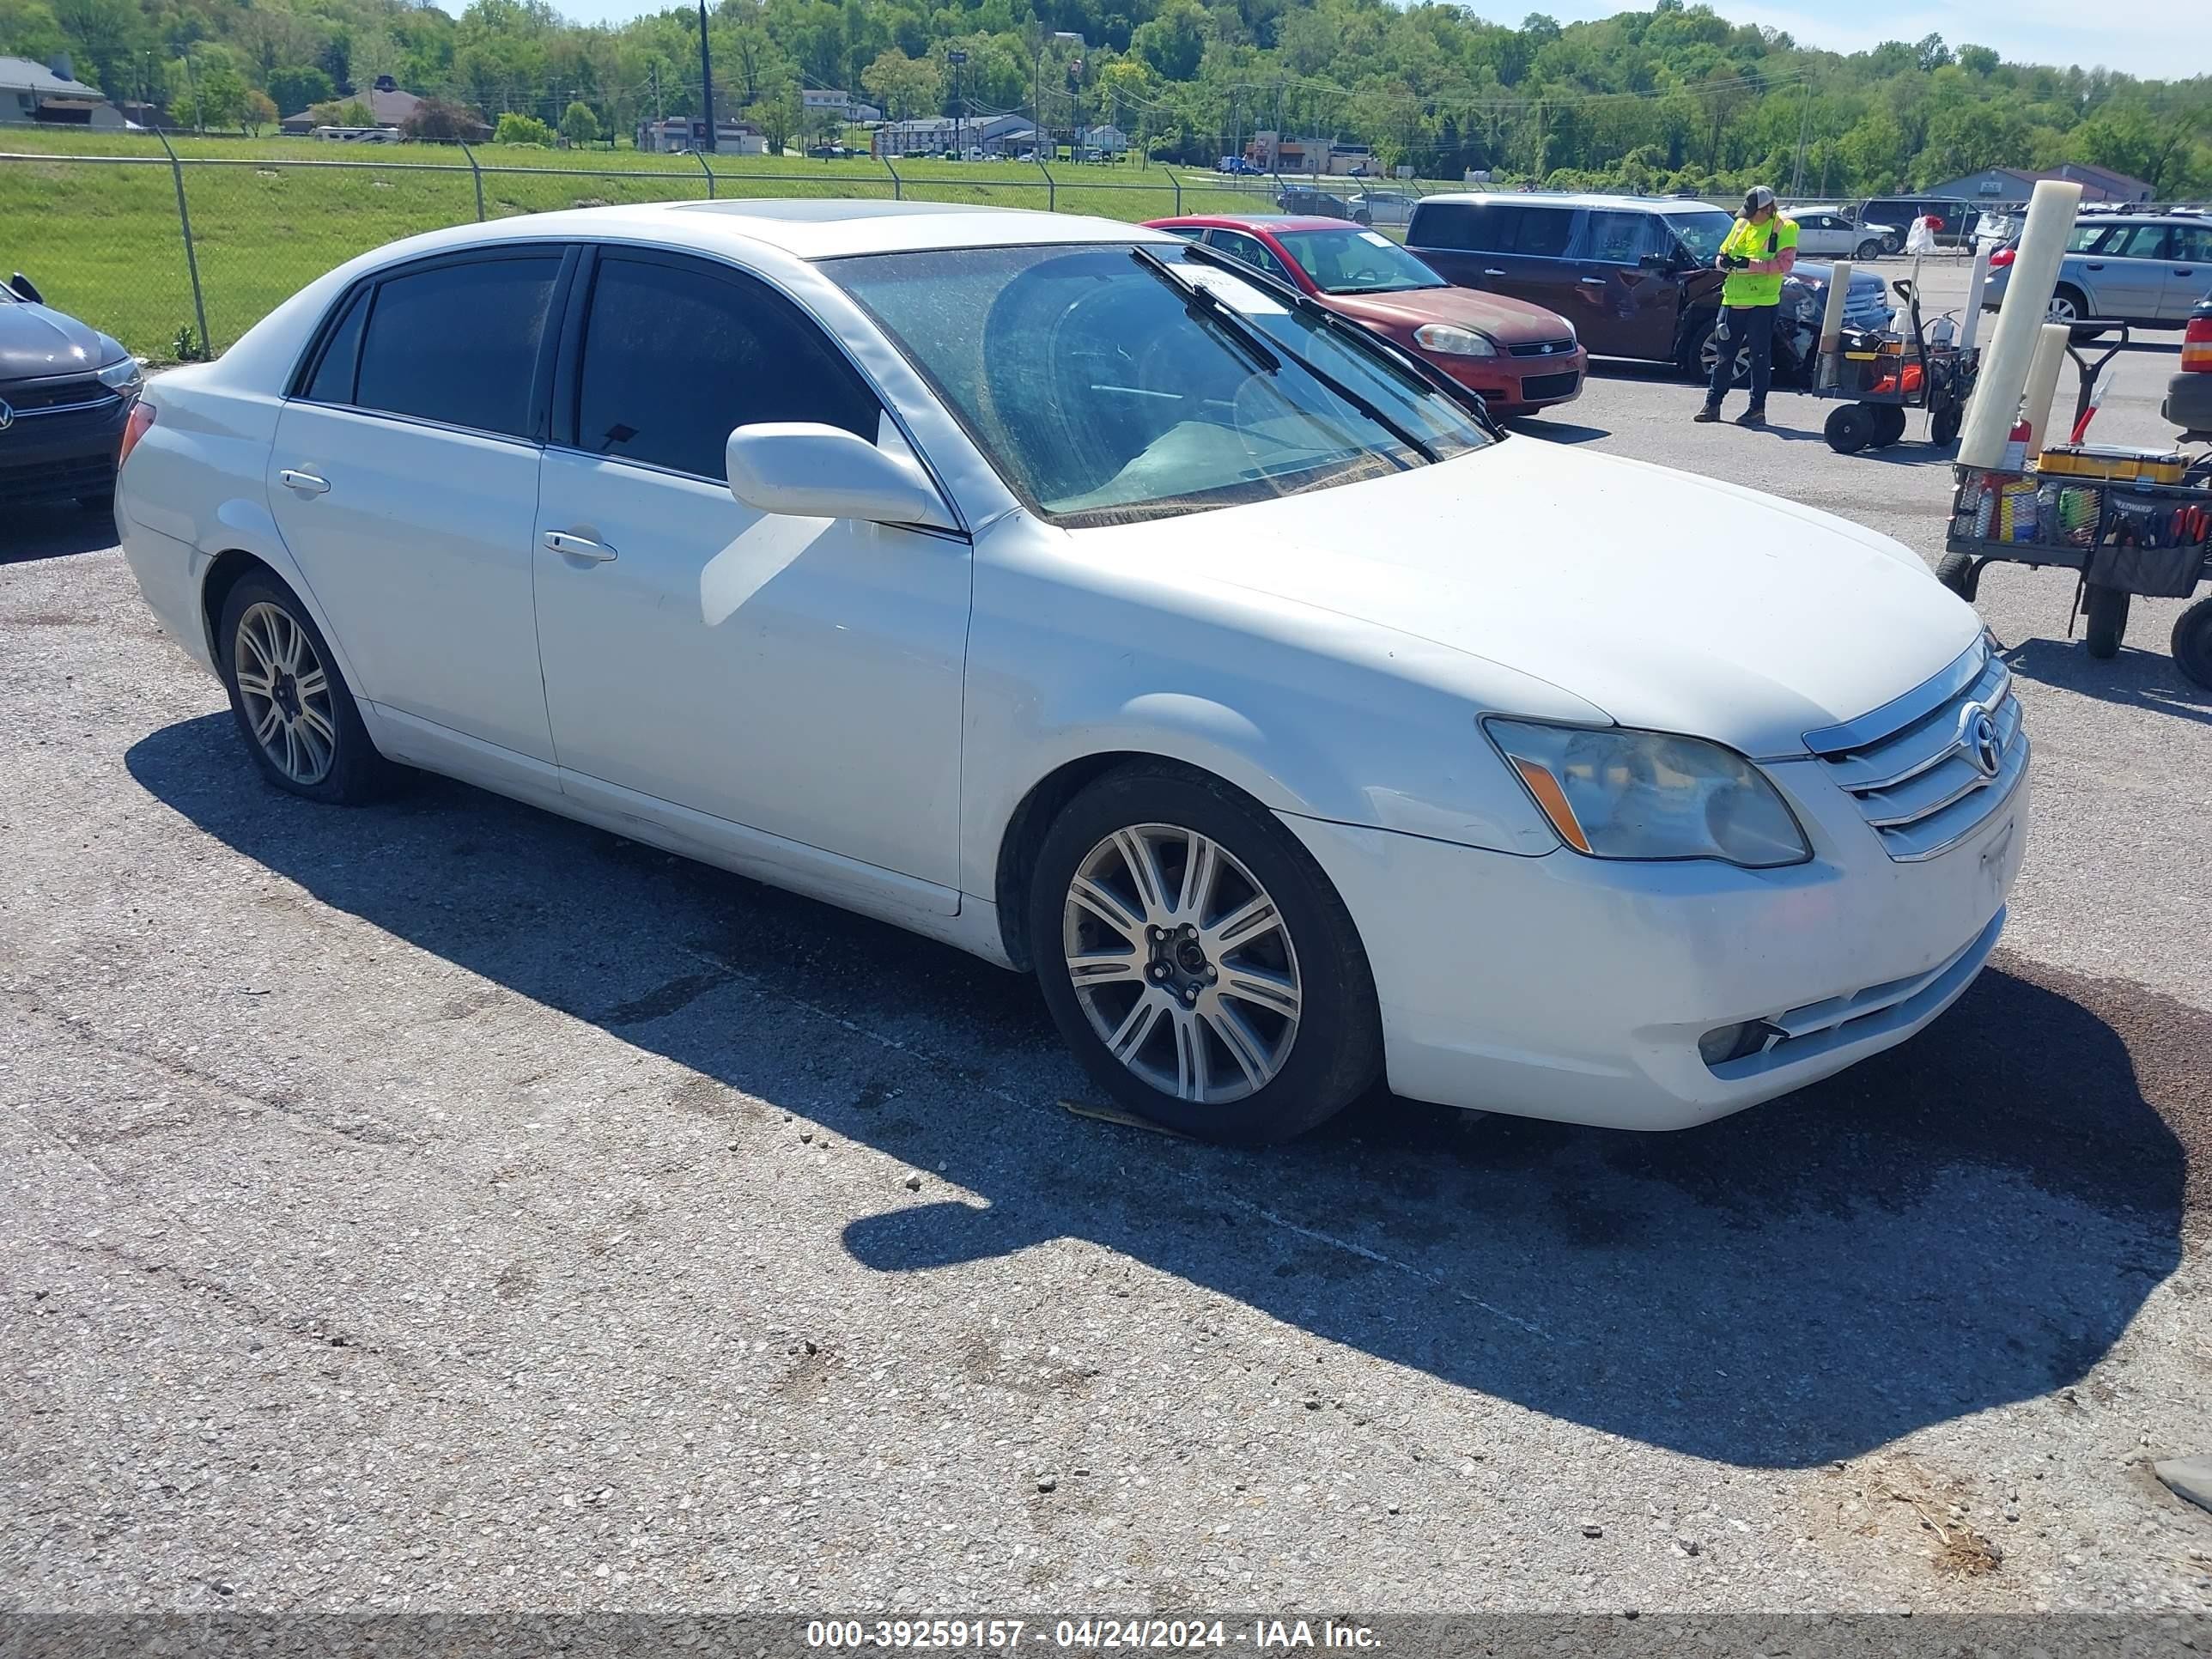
x=1673, y=98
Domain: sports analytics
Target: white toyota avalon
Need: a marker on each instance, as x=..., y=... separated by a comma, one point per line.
x=1060, y=590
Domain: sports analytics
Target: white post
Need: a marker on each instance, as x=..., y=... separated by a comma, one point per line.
x=1970, y=325
x=1831, y=321
x=2043, y=383
x=2003, y=372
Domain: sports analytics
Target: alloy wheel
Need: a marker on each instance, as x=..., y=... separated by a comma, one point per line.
x=1182, y=963
x=1711, y=350
x=2063, y=309
x=286, y=691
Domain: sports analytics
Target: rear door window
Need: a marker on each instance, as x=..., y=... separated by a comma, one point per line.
x=676, y=353
x=332, y=381
x=1464, y=226
x=1619, y=236
x=1251, y=249
x=1541, y=232
x=459, y=343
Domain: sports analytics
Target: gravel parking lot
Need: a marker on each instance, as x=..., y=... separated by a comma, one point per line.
x=442, y=1206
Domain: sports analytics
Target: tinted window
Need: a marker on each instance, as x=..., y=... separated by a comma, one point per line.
x=2140, y=242
x=2192, y=242
x=1457, y=225
x=676, y=355
x=333, y=378
x=1620, y=236
x=459, y=343
x=1539, y=232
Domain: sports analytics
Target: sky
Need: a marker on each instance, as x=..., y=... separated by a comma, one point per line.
x=2136, y=36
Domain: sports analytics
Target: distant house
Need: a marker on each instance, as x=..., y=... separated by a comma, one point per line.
x=680, y=134
x=389, y=105
x=1997, y=184
x=941, y=135
x=51, y=94
x=834, y=101
x=1106, y=139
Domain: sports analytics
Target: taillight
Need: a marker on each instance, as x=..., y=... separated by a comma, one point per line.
x=2197, y=344
x=2001, y=257
x=142, y=419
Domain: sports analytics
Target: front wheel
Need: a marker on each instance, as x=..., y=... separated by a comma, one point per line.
x=1943, y=426
x=1869, y=249
x=1957, y=572
x=2192, y=642
x=1709, y=350
x=1198, y=961
x=2106, y=624
x=1891, y=242
x=290, y=702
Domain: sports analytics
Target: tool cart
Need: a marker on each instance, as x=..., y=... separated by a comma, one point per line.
x=2125, y=519
x=1884, y=374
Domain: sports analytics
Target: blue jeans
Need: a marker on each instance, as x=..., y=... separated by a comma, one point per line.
x=1752, y=325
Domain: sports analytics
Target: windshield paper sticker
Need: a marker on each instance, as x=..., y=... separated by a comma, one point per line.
x=1233, y=291
x=1375, y=237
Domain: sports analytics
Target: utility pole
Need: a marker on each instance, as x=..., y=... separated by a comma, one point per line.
x=958, y=60
x=706, y=80
x=1804, y=114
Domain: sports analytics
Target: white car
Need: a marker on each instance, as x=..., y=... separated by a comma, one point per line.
x=1061, y=590
x=1831, y=235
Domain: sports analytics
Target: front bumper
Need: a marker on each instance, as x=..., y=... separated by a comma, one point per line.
x=1578, y=989
x=62, y=454
x=1517, y=386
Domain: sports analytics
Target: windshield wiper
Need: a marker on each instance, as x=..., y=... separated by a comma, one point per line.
x=1236, y=268
x=1204, y=306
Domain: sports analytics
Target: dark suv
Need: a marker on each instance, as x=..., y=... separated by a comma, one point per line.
x=65, y=391
x=1896, y=213
x=1633, y=273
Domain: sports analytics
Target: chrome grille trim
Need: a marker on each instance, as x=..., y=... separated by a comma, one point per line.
x=1914, y=767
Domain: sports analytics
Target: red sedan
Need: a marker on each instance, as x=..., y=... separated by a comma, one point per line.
x=1519, y=356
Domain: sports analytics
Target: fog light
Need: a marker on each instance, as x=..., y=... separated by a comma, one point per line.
x=1726, y=1042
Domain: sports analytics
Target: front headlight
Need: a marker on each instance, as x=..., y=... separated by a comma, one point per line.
x=1453, y=341
x=124, y=375
x=1618, y=794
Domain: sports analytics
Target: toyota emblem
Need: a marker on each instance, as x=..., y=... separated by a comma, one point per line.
x=7, y=417
x=1982, y=734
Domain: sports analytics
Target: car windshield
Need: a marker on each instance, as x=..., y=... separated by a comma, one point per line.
x=1348, y=261
x=1106, y=386
x=1703, y=232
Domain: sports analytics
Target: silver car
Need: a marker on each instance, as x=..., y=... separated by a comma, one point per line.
x=2147, y=269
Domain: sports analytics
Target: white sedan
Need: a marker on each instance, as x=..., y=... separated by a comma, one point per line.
x=1065, y=592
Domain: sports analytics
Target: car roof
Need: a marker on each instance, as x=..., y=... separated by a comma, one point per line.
x=1576, y=199
x=1259, y=221
x=805, y=228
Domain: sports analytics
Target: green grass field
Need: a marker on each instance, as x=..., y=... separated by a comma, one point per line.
x=92, y=217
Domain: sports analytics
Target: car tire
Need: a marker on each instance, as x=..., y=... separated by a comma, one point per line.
x=2069, y=302
x=1697, y=359
x=1849, y=429
x=1364, y=218
x=1870, y=249
x=1957, y=572
x=1943, y=426
x=292, y=705
x=1892, y=243
x=2192, y=642
x=1152, y=1021
x=2105, y=615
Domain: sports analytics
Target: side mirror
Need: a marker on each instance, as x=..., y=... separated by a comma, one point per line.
x=807, y=471
x=25, y=288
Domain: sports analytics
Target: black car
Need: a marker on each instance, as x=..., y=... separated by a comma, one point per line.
x=1313, y=204
x=65, y=391
x=1898, y=213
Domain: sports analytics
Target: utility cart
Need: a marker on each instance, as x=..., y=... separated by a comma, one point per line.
x=1883, y=375
x=2126, y=520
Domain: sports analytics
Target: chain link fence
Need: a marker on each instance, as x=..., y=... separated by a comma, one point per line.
x=177, y=250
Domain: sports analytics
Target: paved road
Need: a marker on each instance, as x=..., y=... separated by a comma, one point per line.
x=442, y=1204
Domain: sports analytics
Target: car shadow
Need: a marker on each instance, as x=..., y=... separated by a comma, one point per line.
x=53, y=532
x=2135, y=678
x=1970, y=1220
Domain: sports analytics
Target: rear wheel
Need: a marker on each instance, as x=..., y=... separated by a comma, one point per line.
x=2069, y=305
x=2192, y=642
x=1943, y=428
x=1849, y=429
x=290, y=702
x=1889, y=423
x=2106, y=620
x=1957, y=572
x=1198, y=961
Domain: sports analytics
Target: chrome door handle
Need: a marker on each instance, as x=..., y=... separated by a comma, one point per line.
x=1593, y=282
x=306, y=482
x=577, y=547
x=1493, y=273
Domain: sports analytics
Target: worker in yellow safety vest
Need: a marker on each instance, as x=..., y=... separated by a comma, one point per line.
x=1757, y=253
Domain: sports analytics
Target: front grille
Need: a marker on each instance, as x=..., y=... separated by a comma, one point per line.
x=1542, y=348
x=44, y=395
x=1537, y=386
x=40, y=481
x=1922, y=770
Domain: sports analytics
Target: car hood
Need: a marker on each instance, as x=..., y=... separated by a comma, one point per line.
x=1508, y=322
x=1669, y=601
x=37, y=340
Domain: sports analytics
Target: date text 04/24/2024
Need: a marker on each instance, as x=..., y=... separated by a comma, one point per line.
x=1150, y=1634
